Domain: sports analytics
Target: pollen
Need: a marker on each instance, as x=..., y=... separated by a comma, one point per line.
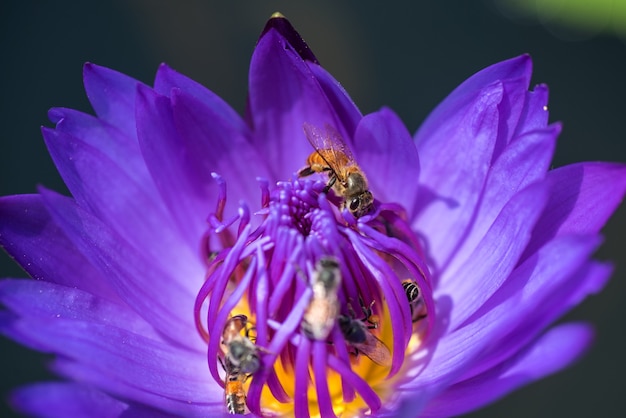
x=297, y=313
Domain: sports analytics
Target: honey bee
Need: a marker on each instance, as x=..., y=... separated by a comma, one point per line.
x=416, y=301
x=241, y=359
x=238, y=349
x=320, y=316
x=345, y=177
x=358, y=335
x=234, y=393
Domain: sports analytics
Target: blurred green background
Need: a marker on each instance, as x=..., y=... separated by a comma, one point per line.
x=407, y=55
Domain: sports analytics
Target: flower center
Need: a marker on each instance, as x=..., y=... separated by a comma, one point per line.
x=299, y=310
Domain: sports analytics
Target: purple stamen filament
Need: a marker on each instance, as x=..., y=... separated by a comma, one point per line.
x=265, y=273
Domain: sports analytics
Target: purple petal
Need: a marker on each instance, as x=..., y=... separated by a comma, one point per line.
x=514, y=76
x=211, y=404
x=453, y=172
x=187, y=195
x=212, y=144
x=495, y=256
x=284, y=94
x=66, y=400
x=523, y=162
x=535, y=112
x=103, y=187
x=586, y=280
x=161, y=299
x=117, y=145
x=531, y=285
x=384, y=148
x=280, y=24
x=513, y=104
x=341, y=102
x=112, y=96
x=52, y=399
x=38, y=244
x=555, y=350
x=168, y=79
x=582, y=198
x=112, y=354
x=45, y=301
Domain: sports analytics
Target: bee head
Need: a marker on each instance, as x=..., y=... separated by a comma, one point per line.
x=352, y=331
x=328, y=269
x=360, y=204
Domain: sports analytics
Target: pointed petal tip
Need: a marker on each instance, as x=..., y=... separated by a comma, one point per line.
x=164, y=67
x=541, y=91
x=524, y=59
x=144, y=93
x=280, y=24
x=509, y=69
x=163, y=72
x=47, y=132
x=55, y=115
x=90, y=68
x=524, y=62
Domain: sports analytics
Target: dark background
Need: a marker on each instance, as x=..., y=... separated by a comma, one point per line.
x=406, y=56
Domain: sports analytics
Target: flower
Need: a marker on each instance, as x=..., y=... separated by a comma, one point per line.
x=194, y=255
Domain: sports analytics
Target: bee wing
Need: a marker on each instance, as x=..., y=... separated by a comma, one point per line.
x=329, y=143
x=236, y=323
x=375, y=350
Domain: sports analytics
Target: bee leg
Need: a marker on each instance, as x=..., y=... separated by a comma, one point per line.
x=249, y=332
x=330, y=183
x=222, y=362
x=212, y=256
x=306, y=171
x=367, y=311
x=350, y=310
x=419, y=318
x=355, y=353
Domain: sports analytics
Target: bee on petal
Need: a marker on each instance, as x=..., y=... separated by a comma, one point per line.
x=241, y=359
x=345, y=177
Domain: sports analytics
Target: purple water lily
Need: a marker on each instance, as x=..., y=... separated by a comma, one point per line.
x=193, y=271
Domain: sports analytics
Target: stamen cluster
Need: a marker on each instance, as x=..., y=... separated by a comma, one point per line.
x=273, y=276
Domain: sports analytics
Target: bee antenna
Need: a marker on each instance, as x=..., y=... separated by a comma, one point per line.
x=222, y=363
x=367, y=311
x=350, y=309
x=248, y=330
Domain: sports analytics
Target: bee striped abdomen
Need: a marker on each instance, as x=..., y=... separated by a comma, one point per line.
x=235, y=397
x=416, y=302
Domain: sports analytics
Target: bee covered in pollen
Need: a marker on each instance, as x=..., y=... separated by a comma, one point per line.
x=416, y=301
x=241, y=359
x=321, y=313
x=234, y=392
x=358, y=335
x=345, y=177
